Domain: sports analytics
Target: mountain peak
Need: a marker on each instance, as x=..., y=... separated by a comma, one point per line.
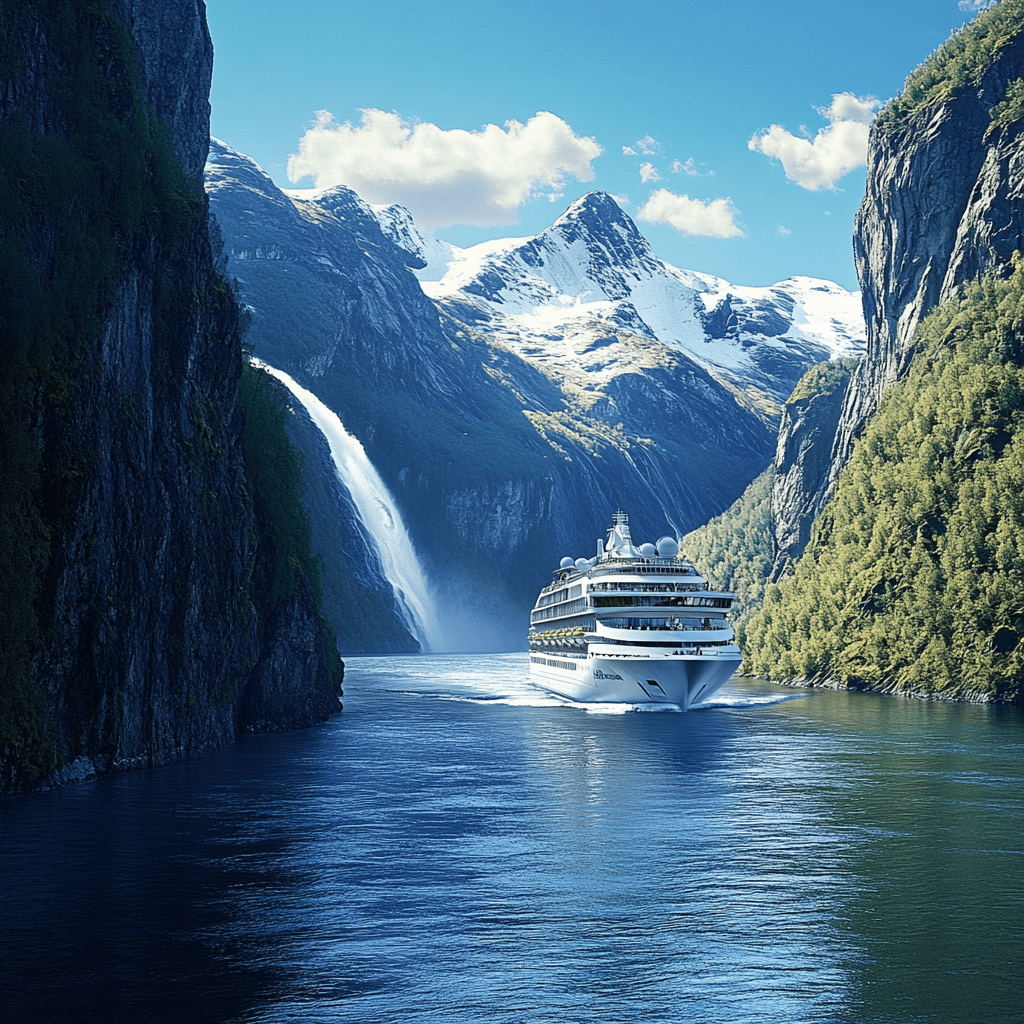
x=597, y=202
x=595, y=214
x=612, y=242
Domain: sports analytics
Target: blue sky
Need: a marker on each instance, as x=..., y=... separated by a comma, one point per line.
x=651, y=102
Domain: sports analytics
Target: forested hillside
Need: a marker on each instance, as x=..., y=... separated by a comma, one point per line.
x=734, y=550
x=914, y=578
x=961, y=62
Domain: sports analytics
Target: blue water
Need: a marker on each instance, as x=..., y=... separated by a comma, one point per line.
x=457, y=847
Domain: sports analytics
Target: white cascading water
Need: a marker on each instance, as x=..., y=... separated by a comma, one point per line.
x=378, y=514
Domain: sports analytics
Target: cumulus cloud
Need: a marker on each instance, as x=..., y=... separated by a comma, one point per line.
x=715, y=219
x=628, y=151
x=687, y=168
x=648, y=145
x=648, y=173
x=480, y=178
x=781, y=230
x=835, y=150
x=975, y=5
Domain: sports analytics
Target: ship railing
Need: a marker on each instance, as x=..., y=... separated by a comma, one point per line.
x=647, y=588
x=669, y=628
x=645, y=566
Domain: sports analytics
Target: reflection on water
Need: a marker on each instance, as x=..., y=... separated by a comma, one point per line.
x=458, y=846
x=934, y=811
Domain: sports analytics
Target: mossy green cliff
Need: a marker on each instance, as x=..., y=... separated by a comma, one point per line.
x=131, y=630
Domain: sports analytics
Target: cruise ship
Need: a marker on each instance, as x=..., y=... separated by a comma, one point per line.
x=634, y=625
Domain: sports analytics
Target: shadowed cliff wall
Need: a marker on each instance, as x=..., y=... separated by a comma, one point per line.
x=130, y=632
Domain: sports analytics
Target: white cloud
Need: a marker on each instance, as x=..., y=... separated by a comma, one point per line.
x=445, y=177
x=648, y=173
x=835, y=150
x=975, y=5
x=628, y=151
x=687, y=168
x=715, y=219
x=782, y=230
x=648, y=145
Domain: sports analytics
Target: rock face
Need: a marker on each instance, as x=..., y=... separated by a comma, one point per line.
x=174, y=57
x=942, y=206
x=802, y=462
x=148, y=647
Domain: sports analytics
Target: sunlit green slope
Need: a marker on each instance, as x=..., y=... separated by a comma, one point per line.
x=914, y=578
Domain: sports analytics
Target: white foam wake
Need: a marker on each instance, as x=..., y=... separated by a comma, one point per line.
x=746, y=700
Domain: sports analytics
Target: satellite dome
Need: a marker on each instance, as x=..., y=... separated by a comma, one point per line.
x=667, y=547
x=582, y=563
x=566, y=563
x=647, y=550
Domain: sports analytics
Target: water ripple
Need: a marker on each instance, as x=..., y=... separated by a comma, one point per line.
x=457, y=847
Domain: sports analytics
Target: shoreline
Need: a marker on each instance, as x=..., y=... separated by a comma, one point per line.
x=973, y=697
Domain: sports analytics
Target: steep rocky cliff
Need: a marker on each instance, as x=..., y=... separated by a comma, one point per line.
x=942, y=206
x=130, y=632
x=911, y=579
x=802, y=462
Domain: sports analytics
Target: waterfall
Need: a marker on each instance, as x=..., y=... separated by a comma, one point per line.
x=378, y=515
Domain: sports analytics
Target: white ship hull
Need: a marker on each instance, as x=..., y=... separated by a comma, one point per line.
x=632, y=626
x=655, y=678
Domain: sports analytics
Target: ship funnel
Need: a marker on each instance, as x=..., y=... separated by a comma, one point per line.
x=620, y=544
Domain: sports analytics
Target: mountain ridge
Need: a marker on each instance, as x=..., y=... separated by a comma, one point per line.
x=496, y=457
x=592, y=273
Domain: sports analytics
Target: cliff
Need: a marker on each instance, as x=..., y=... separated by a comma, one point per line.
x=131, y=632
x=801, y=465
x=911, y=577
x=942, y=206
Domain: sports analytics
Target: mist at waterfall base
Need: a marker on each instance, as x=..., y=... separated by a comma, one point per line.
x=434, y=606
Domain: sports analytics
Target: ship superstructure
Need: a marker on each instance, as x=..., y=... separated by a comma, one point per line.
x=636, y=625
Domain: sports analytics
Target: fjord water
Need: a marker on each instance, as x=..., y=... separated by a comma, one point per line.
x=456, y=847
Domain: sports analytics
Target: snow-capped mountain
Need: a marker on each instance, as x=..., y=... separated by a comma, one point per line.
x=512, y=394
x=586, y=297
